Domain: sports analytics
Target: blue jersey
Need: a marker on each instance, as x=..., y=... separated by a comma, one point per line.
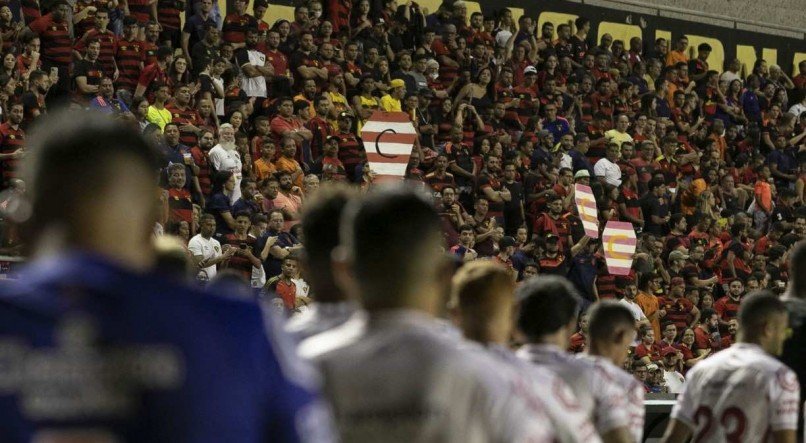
x=95, y=353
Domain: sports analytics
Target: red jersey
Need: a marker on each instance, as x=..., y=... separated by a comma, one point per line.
x=57, y=46
x=187, y=116
x=10, y=140
x=129, y=58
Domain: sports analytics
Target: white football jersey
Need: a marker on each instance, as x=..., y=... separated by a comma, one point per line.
x=602, y=401
x=397, y=377
x=739, y=394
x=631, y=389
x=571, y=422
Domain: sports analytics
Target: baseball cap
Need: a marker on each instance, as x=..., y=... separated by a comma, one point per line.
x=333, y=138
x=397, y=83
x=345, y=114
x=380, y=21
x=552, y=237
x=668, y=351
x=652, y=367
x=677, y=281
x=677, y=255
x=507, y=242
x=530, y=70
x=582, y=173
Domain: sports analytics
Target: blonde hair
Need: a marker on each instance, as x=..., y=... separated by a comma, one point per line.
x=475, y=284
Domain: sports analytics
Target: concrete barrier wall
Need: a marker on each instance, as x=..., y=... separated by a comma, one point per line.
x=790, y=13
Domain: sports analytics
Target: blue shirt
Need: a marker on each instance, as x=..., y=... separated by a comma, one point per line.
x=752, y=109
x=558, y=127
x=146, y=359
x=113, y=106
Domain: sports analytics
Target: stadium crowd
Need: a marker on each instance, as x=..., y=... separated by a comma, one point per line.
x=255, y=119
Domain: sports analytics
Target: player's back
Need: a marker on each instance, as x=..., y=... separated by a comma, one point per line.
x=739, y=394
x=95, y=353
x=603, y=402
x=396, y=377
x=631, y=389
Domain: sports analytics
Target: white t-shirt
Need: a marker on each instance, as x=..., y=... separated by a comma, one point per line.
x=742, y=393
x=609, y=170
x=674, y=380
x=797, y=109
x=637, y=312
x=208, y=248
x=224, y=160
x=252, y=86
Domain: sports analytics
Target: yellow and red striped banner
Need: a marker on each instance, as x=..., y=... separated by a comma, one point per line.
x=586, y=206
x=619, y=242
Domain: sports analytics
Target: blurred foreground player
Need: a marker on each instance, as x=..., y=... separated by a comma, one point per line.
x=794, y=354
x=396, y=376
x=547, y=317
x=742, y=393
x=611, y=331
x=97, y=348
x=482, y=304
x=320, y=228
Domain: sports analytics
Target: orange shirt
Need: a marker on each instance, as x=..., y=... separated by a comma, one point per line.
x=675, y=57
x=763, y=193
x=649, y=304
x=263, y=169
x=290, y=165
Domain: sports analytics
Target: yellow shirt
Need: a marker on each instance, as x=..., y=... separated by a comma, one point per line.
x=390, y=104
x=339, y=104
x=159, y=117
x=618, y=137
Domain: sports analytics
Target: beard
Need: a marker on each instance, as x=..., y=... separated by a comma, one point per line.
x=228, y=146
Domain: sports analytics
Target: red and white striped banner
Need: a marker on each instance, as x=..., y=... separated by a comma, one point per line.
x=396, y=145
x=619, y=242
x=586, y=206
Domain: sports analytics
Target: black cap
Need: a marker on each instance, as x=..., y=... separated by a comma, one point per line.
x=507, y=242
x=425, y=92
x=345, y=114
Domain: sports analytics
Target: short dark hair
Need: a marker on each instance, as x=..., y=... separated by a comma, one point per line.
x=387, y=235
x=321, y=223
x=70, y=154
x=546, y=305
x=756, y=309
x=606, y=317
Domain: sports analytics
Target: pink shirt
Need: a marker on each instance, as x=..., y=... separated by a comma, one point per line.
x=290, y=202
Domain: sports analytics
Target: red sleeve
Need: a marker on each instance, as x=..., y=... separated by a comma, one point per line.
x=39, y=25
x=640, y=351
x=147, y=76
x=702, y=341
x=539, y=225
x=719, y=307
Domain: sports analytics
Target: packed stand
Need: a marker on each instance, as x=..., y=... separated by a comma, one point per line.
x=252, y=118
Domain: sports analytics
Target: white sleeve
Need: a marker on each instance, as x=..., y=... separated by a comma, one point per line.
x=195, y=247
x=216, y=249
x=599, y=169
x=784, y=400
x=215, y=159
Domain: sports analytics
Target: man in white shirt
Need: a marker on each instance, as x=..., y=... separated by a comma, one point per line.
x=206, y=250
x=611, y=332
x=397, y=376
x=606, y=169
x=547, y=315
x=798, y=108
x=630, y=291
x=254, y=70
x=742, y=393
x=225, y=157
x=733, y=72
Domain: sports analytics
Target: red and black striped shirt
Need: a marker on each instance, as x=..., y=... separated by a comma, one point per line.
x=87, y=23
x=140, y=10
x=180, y=206
x=168, y=14
x=187, y=116
x=11, y=140
x=351, y=152
x=235, y=26
x=109, y=47
x=130, y=56
x=150, y=52
x=339, y=14
x=57, y=45
x=30, y=10
x=203, y=162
